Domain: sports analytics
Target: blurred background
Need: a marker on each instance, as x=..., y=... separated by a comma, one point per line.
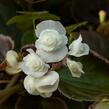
x=70, y=11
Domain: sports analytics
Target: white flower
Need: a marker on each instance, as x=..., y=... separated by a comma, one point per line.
x=43, y=86
x=47, y=83
x=75, y=68
x=29, y=85
x=33, y=65
x=77, y=48
x=50, y=24
x=12, y=62
x=52, y=41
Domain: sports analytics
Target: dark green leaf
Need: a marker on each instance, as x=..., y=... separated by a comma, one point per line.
x=71, y=28
x=37, y=102
x=28, y=37
x=92, y=85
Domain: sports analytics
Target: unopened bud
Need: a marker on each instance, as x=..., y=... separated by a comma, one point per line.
x=102, y=16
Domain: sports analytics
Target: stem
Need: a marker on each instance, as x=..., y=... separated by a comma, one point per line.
x=34, y=28
x=34, y=25
x=6, y=93
x=4, y=81
x=13, y=80
x=70, y=39
x=10, y=89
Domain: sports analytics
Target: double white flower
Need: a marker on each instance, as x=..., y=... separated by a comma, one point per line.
x=43, y=86
x=33, y=65
x=51, y=45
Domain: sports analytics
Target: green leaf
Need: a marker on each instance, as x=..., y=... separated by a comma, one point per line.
x=71, y=28
x=91, y=86
x=28, y=37
x=27, y=19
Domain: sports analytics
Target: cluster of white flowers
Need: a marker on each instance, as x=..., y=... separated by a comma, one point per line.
x=51, y=47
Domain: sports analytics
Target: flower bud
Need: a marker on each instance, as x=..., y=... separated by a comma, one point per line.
x=75, y=68
x=77, y=48
x=12, y=62
x=102, y=16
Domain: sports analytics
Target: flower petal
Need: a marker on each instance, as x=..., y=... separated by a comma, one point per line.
x=47, y=83
x=54, y=56
x=49, y=24
x=51, y=40
x=12, y=62
x=75, y=68
x=29, y=85
x=12, y=58
x=12, y=70
x=35, y=74
x=33, y=65
x=77, y=48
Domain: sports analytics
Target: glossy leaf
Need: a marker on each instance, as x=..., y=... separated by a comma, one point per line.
x=91, y=86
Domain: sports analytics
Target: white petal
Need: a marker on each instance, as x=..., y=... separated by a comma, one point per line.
x=29, y=85
x=12, y=70
x=12, y=63
x=77, y=48
x=54, y=56
x=76, y=43
x=49, y=24
x=11, y=58
x=33, y=65
x=47, y=36
x=75, y=68
x=30, y=50
x=28, y=71
x=47, y=83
